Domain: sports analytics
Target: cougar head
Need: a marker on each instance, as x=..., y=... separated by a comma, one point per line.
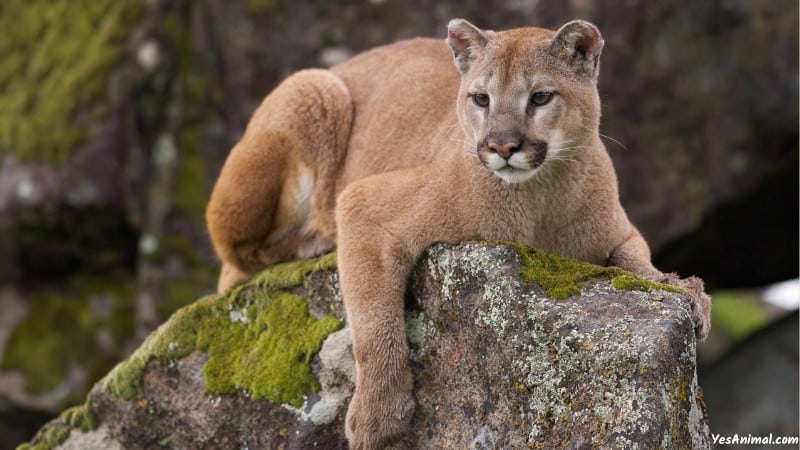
x=528, y=96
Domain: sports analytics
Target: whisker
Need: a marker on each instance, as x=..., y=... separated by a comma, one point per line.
x=614, y=140
x=459, y=140
x=559, y=149
x=607, y=137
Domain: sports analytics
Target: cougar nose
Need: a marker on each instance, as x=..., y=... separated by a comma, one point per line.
x=505, y=150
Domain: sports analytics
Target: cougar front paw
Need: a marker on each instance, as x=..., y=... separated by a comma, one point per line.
x=700, y=302
x=379, y=421
x=701, y=306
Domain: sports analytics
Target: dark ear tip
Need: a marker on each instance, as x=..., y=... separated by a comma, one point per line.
x=580, y=38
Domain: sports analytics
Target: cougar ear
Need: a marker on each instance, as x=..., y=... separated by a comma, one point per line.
x=580, y=43
x=467, y=41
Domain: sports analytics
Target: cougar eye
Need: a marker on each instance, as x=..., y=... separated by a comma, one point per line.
x=481, y=100
x=541, y=98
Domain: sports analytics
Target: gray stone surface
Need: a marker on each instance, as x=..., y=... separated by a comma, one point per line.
x=497, y=363
x=500, y=364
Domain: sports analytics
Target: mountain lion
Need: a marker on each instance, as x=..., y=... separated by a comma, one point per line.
x=396, y=149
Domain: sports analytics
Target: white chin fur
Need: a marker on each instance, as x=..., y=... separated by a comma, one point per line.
x=513, y=175
x=513, y=171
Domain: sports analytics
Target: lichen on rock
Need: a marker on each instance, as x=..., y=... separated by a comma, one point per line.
x=497, y=362
x=602, y=359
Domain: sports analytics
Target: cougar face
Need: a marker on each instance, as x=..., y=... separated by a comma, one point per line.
x=515, y=121
x=524, y=104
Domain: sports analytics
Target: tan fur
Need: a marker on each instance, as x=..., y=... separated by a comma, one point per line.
x=262, y=209
x=397, y=136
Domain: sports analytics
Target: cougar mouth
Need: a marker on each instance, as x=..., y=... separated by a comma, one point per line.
x=511, y=174
x=519, y=166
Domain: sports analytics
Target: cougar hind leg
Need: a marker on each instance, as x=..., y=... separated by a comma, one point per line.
x=275, y=196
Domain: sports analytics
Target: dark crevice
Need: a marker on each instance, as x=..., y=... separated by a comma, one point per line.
x=64, y=240
x=747, y=242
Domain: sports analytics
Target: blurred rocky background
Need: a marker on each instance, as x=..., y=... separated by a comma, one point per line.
x=115, y=117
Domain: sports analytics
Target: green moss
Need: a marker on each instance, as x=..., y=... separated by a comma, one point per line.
x=258, y=338
x=270, y=356
x=58, y=430
x=50, y=437
x=560, y=277
x=171, y=341
x=737, y=314
x=61, y=330
x=292, y=273
x=630, y=282
x=56, y=58
x=557, y=276
x=80, y=417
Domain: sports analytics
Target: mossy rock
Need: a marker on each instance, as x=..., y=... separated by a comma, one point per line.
x=259, y=338
x=57, y=58
x=561, y=277
x=495, y=356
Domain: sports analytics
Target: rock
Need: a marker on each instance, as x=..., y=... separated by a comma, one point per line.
x=499, y=362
